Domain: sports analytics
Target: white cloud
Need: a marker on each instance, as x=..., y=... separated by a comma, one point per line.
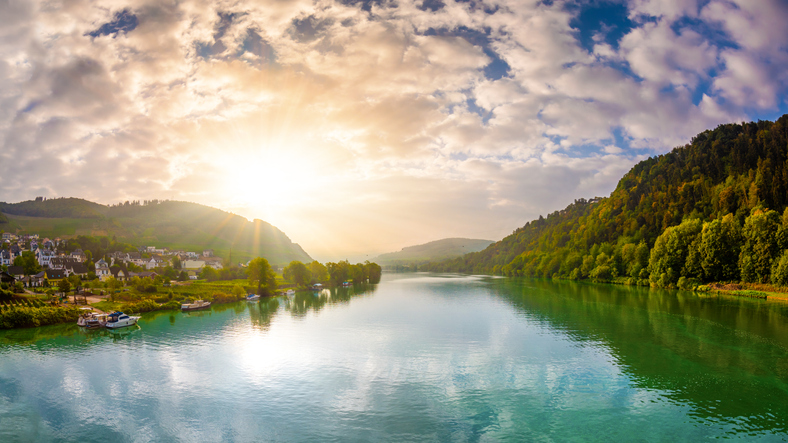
x=385, y=114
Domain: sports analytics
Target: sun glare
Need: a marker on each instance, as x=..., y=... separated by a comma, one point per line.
x=270, y=181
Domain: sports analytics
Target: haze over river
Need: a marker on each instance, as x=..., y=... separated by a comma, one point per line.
x=419, y=357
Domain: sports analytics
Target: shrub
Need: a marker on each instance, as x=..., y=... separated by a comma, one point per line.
x=172, y=304
x=223, y=297
x=22, y=317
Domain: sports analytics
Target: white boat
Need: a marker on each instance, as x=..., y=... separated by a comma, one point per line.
x=290, y=292
x=120, y=320
x=90, y=320
x=252, y=297
x=199, y=304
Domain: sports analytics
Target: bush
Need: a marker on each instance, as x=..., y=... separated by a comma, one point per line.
x=223, y=297
x=24, y=317
x=173, y=304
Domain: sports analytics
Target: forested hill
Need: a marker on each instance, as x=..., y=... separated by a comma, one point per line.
x=735, y=170
x=173, y=224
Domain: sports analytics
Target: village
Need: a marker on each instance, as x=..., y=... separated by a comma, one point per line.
x=27, y=261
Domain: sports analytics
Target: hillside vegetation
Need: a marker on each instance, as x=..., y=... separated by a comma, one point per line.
x=172, y=224
x=434, y=250
x=708, y=211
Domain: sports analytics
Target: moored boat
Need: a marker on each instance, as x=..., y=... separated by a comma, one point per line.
x=197, y=305
x=290, y=292
x=252, y=297
x=90, y=320
x=120, y=320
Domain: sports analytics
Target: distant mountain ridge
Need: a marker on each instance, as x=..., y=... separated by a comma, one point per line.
x=434, y=250
x=171, y=224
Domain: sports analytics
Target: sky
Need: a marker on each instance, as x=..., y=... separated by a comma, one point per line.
x=363, y=126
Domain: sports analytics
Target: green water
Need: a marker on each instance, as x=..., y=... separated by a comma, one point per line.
x=418, y=357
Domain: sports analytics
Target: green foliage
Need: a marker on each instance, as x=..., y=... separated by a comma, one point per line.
x=373, y=272
x=338, y=272
x=25, y=317
x=172, y=224
x=261, y=275
x=208, y=273
x=671, y=251
x=64, y=286
x=318, y=272
x=297, y=272
x=28, y=261
x=719, y=249
x=723, y=180
x=760, y=246
x=780, y=270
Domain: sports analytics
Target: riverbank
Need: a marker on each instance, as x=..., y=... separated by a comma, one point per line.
x=749, y=290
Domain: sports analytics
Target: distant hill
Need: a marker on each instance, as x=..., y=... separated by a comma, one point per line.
x=434, y=250
x=171, y=224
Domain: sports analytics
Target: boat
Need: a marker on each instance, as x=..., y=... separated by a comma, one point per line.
x=290, y=292
x=317, y=287
x=197, y=305
x=89, y=320
x=346, y=284
x=120, y=320
x=252, y=297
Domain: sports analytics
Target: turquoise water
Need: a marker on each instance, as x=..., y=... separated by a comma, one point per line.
x=418, y=357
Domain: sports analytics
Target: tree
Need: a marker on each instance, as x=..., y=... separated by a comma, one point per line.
x=113, y=284
x=183, y=276
x=74, y=280
x=338, y=272
x=761, y=246
x=669, y=256
x=720, y=245
x=297, y=272
x=318, y=272
x=176, y=262
x=261, y=274
x=64, y=286
x=208, y=273
x=374, y=272
x=780, y=270
x=28, y=262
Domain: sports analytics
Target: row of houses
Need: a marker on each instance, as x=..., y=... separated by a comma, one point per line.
x=115, y=265
x=54, y=276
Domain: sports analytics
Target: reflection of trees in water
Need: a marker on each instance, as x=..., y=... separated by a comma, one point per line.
x=303, y=302
x=726, y=357
x=32, y=336
x=263, y=312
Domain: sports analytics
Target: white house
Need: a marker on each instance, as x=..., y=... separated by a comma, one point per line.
x=44, y=256
x=102, y=270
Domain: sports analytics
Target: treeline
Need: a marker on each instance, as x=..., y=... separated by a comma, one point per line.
x=729, y=184
x=55, y=208
x=333, y=274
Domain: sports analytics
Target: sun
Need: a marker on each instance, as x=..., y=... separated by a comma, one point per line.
x=269, y=180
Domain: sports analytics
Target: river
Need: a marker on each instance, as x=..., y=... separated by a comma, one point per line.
x=419, y=357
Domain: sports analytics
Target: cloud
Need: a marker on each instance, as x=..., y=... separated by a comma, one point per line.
x=415, y=120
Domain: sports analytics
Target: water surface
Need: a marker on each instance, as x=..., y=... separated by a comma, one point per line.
x=419, y=357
